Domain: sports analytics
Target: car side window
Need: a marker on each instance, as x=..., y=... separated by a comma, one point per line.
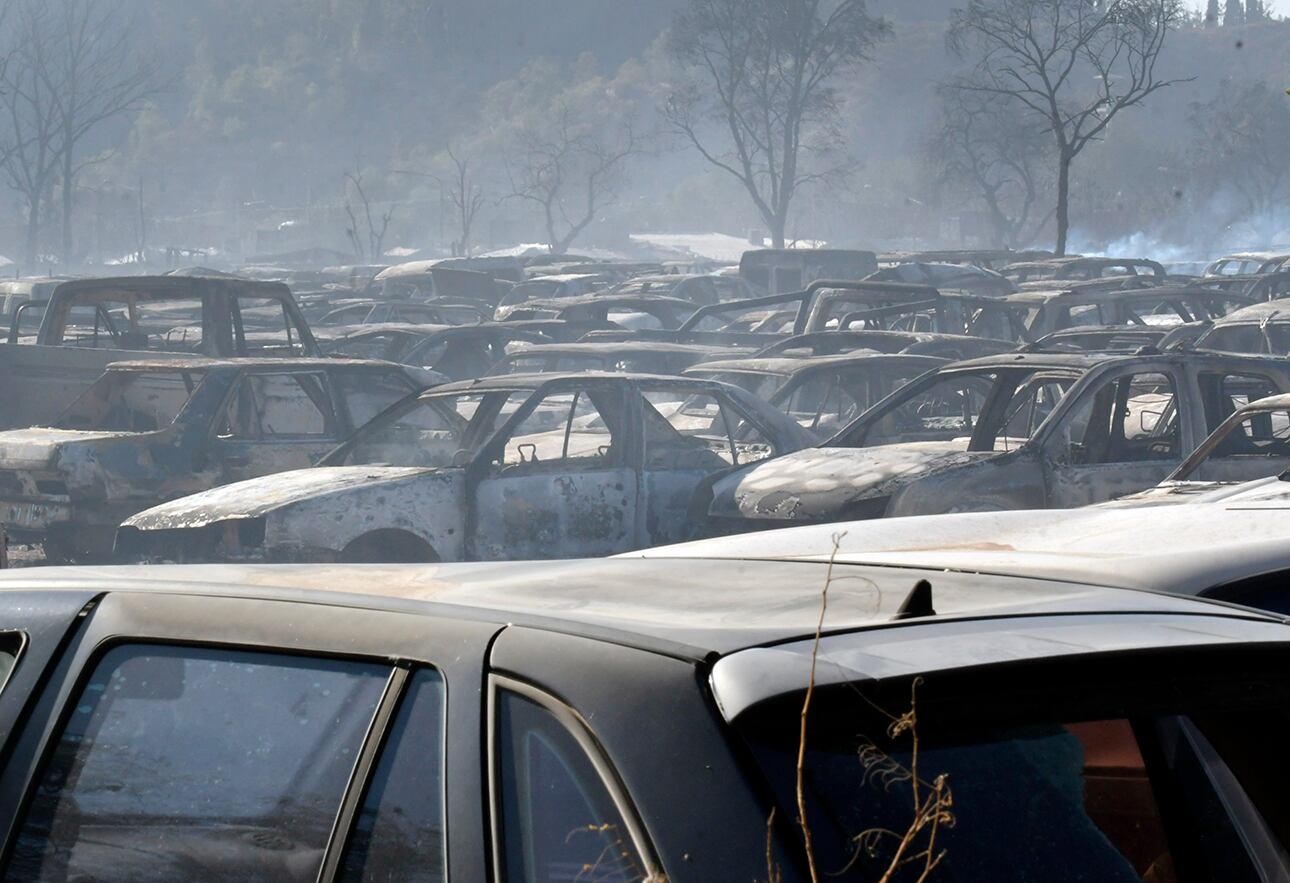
x=368, y=393
x=677, y=421
x=1222, y=394
x=266, y=406
x=399, y=832
x=198, y=764
x=558, y=818
x=265, y=326
x=582, y=429
x=1129, y=419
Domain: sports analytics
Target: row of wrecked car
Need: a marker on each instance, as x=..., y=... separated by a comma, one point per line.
x=204, y=418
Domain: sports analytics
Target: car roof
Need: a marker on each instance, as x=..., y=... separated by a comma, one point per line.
x=532, y=381
x=1272, y=309
x=254, y=363
x=687, y=607
x=1087, y=359
x=620, y=346
x=789, y=365
x=1175, y=547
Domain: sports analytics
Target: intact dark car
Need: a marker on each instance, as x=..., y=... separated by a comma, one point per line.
x=634, y=722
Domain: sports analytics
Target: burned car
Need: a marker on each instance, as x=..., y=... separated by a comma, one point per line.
x=1262, y=328
x=1248, y=452
x=632, y=356
x=920, y=343
x=1043, y=312
x=629, y=721
x=458, y=352
x=146, y=432
x=90, y=323
x=1076, y=267
x=822, y=393
x=1250, y=263
x=1022, y=431
x=510, y=467
x=630, y=311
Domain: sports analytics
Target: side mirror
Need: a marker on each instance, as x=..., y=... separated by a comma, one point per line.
x=528, y=453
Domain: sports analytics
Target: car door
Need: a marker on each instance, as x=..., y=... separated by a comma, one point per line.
x=689, y=434
x=273, y=422
x=561, y=480
x=1127, y=431
x=203, y=738
x=1257, y=448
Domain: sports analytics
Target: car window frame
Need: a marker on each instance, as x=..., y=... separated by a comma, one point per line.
x=334, y=435
x=399, y=641
x=582, y=733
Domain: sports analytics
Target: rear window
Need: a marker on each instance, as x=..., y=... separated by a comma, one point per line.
x=122, y=401
x=1023, y=776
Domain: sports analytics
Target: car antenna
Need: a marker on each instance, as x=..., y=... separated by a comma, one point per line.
x=918, y=602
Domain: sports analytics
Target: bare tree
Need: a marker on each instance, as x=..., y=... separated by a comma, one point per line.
x=370, y=244
x=96, y=73
x=1239, y=145
x=31, y=152
x=997, y=153
x=572, y=172
x=467, y=198
x=73, y=67
x=761, y=102
x=1073, y=64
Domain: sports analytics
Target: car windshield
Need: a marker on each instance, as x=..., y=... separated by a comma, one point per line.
x=1270, y=338
x=431, y=431
x=762, y=384
x=980, y=410
x=122, y=401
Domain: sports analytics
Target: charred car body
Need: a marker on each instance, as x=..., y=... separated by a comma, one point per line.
x=1025, y=431
x=152, y=431
x=822, y=393
x=507, y=467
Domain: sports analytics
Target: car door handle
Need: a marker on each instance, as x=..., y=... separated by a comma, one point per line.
x=237, y=461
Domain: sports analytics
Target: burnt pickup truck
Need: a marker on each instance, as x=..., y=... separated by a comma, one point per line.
x=87, y=324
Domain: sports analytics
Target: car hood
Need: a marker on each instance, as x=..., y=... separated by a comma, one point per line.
x=257, y=497
x=818, y=483
x=36, y=448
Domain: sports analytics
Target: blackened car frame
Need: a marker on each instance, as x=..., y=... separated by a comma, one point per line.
x=508, y=467
x=146, y=432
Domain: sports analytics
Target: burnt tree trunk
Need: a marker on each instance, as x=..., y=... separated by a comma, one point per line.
x=1063, y=200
